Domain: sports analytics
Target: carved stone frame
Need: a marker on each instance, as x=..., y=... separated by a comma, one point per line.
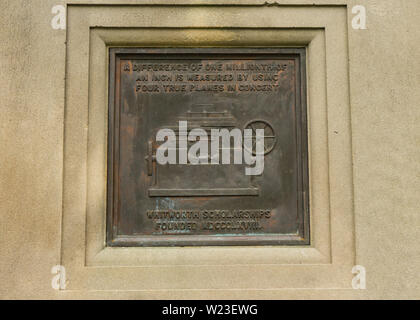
x=326, y=263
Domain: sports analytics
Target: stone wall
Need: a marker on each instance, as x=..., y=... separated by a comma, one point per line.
x=365, y=150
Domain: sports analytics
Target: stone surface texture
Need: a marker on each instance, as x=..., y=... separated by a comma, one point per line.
x=384, y=94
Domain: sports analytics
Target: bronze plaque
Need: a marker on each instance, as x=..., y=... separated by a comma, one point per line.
x=190, y=202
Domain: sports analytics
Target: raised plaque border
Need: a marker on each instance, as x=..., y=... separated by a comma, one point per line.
x=301, y=238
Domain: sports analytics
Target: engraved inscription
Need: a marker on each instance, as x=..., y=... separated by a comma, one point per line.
x=185, y=221
x=206, y=77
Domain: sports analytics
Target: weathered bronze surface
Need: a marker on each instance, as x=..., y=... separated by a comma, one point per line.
x=184, y=204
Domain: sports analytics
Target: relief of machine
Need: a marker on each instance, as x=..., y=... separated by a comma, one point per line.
x=204, y=179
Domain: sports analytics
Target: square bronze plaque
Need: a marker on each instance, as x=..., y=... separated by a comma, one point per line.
x=185, y=203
